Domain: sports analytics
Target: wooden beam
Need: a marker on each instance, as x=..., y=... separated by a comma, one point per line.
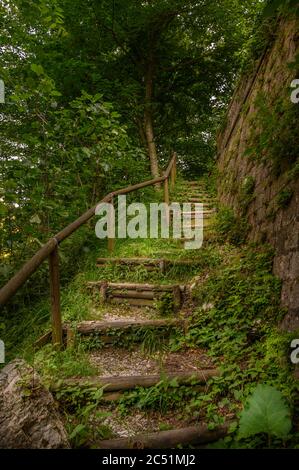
x=93, y=326
x=195, y=435
x=55, y=298
x=132, y=286
x=115, y=384
x=166, y=191
x=111, y=224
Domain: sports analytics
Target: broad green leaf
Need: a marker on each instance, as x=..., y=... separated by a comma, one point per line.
x=265, y=412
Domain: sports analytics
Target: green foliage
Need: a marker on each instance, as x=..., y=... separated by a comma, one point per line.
x=230, y=227
x=239, y=330
x=165, y=304
x=151, y=339
x=284, y=198
x=67, y=363
x=164, y=396
x=281, y=6
x=265, y=412
x=274, y=136
x=81, y=407
x=243, y=294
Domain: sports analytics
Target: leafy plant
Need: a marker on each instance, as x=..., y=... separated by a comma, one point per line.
x=165, y=305
x=274, y=135
x=166, y=395
x=230, y=227
x=284, y=198
x=265, y=412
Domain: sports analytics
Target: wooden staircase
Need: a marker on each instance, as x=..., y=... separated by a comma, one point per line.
x=139, y=294
x=147, y=297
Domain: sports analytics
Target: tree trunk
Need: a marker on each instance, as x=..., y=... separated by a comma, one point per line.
x=148, y=117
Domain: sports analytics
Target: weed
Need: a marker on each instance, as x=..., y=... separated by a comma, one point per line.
x=230, y=227
x=165, y=305
x=284, y=198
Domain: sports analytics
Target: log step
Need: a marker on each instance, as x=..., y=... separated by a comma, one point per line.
x=94, y=326
x=90, y=327
x=204, y=212
x=148, y=263
x=152, y=262
x=138, y=294
x=193, y=435
x=177, y=262
x=116, y=384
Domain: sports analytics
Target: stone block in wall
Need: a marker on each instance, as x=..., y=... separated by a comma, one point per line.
x=291, y=242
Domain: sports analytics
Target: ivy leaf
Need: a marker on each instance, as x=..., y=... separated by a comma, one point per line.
x=38, y=69
x=265, y=412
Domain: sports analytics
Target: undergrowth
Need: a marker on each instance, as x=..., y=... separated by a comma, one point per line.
x=235, y=318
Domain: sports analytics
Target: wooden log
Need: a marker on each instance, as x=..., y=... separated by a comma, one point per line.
x=91, y=327
x=55, y=298
x=130, y=261
x=111, y=221
x=131, y=294
x=115, y=396
x=177, y=298
x=166, y=191
x=204, y=212
x=43, y=340
x=138, y=287
x=115, y=384
x=203, y=200
x=103, y=291
x=193, y=435
x=132, y=301
x=26, y=271
x=172, y=176
x=166, y=198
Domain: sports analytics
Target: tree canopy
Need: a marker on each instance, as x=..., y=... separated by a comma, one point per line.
x=98, y=93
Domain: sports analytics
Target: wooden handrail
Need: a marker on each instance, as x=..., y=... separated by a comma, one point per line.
x=51, y=246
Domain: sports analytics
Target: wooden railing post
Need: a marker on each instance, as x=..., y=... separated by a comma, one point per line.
x=166, y=197
x=172, y=177
x=172, y=173
x=111, y=241
x=166, y=191
x=55, y=298
x=174, y=168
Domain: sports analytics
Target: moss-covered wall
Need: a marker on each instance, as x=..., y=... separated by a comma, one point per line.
x=258, y=159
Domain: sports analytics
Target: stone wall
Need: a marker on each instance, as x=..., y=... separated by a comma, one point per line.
x=268, y=223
